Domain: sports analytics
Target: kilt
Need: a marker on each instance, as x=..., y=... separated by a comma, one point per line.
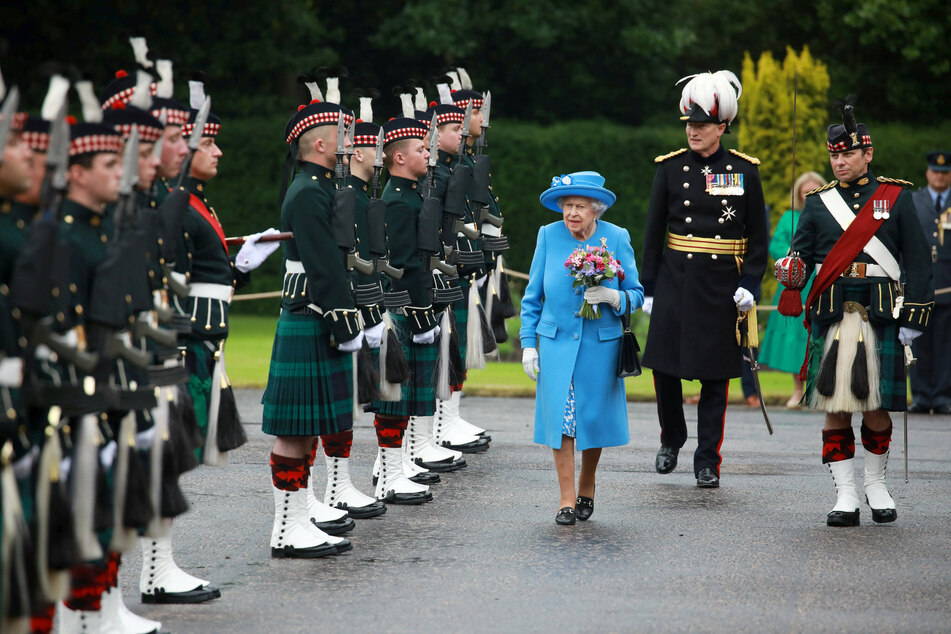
x=892, y=385
x=200, y=363
x=310, y=384
x=419, y=392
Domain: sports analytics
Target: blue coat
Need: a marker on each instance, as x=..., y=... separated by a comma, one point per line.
x=569, y=346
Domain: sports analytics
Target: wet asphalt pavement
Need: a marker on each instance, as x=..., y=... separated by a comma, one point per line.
x=657, y=555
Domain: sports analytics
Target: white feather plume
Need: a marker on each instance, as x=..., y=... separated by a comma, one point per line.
x=142, y=93
x=464, y=78
x=196, y=93
x=165, y=87
x=406, y=100
x=456, y=83
x=55, y=97
x=717, y=92
x=92, y=112
x=366, y=109
x=333, y=90
x=445, y=95
x=314, y=89
x=141, y=51
x=421, y=104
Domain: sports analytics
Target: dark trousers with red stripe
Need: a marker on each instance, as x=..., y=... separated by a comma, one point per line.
x=711, y=412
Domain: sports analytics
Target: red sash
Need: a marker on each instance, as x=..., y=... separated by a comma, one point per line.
x=845, y=250
x=200, y=207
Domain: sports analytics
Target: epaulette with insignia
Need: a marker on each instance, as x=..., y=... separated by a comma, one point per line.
x=897, y=181
x=751, y=159
x=823, y=188
x=664, y=157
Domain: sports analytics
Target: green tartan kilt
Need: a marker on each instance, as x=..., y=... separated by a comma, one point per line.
x=310, y=384
x=419, y=393
x=891, y=359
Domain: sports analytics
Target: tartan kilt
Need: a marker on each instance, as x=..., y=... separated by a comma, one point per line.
x=418, y=392
x=892, y=384
x=310, y=384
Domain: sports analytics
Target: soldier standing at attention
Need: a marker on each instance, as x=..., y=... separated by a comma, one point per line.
x=862, y=237
x=704, y=254
x=931, y=375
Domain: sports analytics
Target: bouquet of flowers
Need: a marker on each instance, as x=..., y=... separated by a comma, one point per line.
x=589, y=266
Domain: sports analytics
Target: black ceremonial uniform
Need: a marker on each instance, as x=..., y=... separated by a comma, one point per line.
x=693, y=323
x=931, y=375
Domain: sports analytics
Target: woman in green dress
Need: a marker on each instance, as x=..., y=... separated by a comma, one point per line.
x=784, y=343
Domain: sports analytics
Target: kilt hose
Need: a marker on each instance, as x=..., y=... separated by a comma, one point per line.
x=419, y=391
x=892, y=385
x=310, y=384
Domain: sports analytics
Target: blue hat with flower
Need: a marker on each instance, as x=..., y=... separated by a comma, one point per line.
x=588, y=184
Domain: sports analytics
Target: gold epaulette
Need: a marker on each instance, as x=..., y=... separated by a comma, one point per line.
x=664, y=157
x=751, y=159
x=897, y=181
x=823, y=188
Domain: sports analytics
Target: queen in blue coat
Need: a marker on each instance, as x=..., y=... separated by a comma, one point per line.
x=579, y=400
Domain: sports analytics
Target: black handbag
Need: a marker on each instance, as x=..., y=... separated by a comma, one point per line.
x=628, y=360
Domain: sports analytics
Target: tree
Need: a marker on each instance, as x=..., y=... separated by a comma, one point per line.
x=766, y=128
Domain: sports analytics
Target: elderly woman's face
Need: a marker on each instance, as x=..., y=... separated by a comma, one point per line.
x=579, y=215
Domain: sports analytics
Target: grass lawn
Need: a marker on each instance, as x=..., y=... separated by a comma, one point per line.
x=249, y=351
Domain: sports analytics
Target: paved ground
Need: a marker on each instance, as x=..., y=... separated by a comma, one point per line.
x=658, y=554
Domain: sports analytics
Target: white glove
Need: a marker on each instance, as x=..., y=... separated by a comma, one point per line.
x=354, y=344
x=648, y=305
x=743, y=298
x=907, y=335
x=603, y=295
x=480, y=281
x=252, y=254
x=375, y=334
x=530, y=362
x=427, y=337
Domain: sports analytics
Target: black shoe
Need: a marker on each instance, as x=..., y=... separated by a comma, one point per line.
x=289, y=552
x=426, y=478
x=336, y=527
x=942, y=409
x=584, y=507
x=882, y=516
x=410, y=499
x=919, y=408
x=707, y=479
x=343, y=546
x=666, y=460
x=442, y=466
x=198, y=595
x=566, y=516
x=843, y=518
x=476, y=446
x=374, y=509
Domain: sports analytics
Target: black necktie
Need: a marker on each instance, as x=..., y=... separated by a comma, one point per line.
x=937, y=204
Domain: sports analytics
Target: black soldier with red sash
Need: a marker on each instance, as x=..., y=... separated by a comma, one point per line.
x=872, y=295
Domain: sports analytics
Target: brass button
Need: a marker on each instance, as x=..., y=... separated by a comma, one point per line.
x=690, y=256
x=729, y=168
x=855, y=206
x=688, y=219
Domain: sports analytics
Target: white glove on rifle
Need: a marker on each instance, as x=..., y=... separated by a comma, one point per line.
x=648, y=305
x=253, y=254
x=354, y=344
x=603, y=295
x=744, y=299
x=530, y=362
x=375, y=334
x=427, y=337
x=907, y=335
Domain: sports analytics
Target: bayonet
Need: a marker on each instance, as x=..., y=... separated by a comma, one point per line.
x=7, y=114
x=466, y=122
x=130, y=164
x=339, y=173
x=195, y=138
x=482, y=142
x=157, y=148
x=378, y=164
x=57, y=162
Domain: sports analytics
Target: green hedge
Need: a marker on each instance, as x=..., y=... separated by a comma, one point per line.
x=524, y=159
